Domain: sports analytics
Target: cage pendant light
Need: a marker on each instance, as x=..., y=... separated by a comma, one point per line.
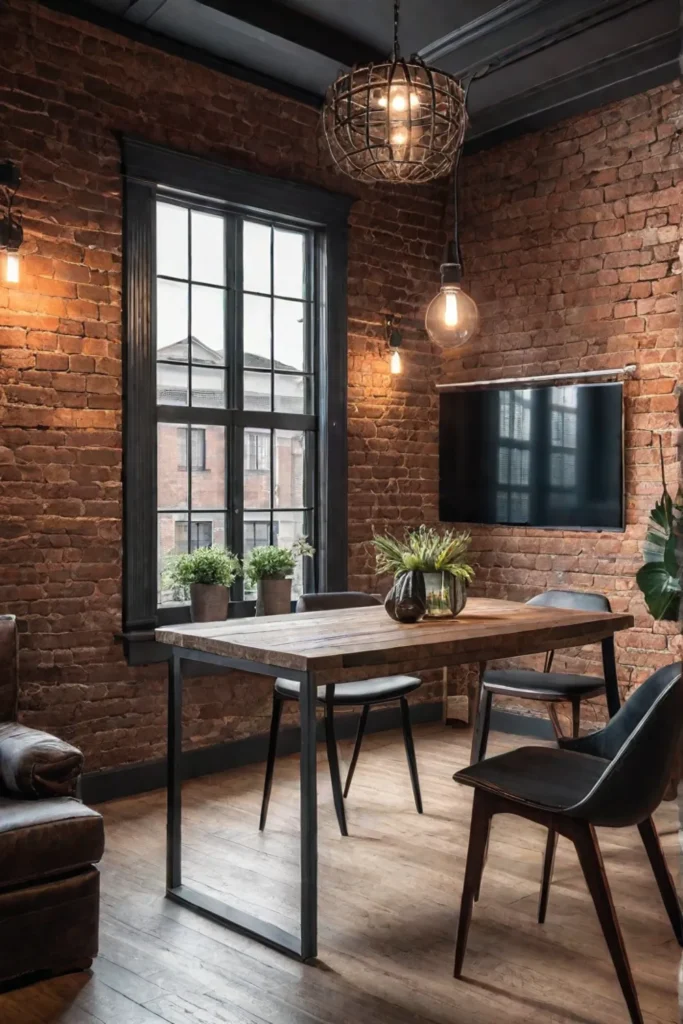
x=400, y=121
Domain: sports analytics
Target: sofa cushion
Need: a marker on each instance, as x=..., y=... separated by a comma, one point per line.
x=43, y=838
x=35, y=764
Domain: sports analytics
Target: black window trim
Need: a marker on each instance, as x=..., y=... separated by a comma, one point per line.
x=150, y=171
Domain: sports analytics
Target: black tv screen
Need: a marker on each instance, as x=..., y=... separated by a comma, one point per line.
x=542, y=456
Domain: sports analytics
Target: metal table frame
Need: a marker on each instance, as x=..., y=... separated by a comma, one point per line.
x=304, y=947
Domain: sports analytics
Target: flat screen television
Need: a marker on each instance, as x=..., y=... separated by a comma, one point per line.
x=538, y=456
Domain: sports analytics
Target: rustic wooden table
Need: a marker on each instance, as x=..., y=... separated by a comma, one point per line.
x=320, y=648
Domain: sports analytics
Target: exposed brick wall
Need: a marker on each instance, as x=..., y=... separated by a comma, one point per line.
x=67, y=89
x=571, y=243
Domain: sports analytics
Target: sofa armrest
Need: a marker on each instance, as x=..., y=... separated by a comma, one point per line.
x=34, y=764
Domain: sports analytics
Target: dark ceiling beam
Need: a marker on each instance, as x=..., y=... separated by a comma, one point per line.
x=518, y=28
x=104, y=19
x=285, y=23
x=649, y=64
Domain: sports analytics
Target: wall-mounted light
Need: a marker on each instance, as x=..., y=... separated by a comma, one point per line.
x=11, y=231
x=394, y=339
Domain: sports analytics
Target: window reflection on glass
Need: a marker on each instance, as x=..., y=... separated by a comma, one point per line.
x=563, y=442
x=514, y=428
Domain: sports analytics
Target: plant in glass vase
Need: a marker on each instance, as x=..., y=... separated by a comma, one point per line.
x=430, y=570
x=270, y=570
x=206, y=575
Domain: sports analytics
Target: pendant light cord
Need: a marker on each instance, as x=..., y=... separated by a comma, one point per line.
x=454, y=255
x=397, y=50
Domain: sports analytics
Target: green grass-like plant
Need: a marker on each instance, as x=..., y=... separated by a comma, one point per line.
x=273, y=563
x=216, y=566
x=425, y=550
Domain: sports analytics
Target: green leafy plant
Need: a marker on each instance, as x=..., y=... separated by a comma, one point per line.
x=425, y=550
x=272, y=563
x=660, y=578
x=204, y=565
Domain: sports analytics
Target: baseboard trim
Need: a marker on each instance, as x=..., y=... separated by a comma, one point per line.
x=114, y=783
x=521, y=725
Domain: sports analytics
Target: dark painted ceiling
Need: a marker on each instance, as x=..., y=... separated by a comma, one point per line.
x=536, y=60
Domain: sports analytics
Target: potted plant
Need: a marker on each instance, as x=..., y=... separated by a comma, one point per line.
x=659, y=578
x=206, y=574
x=430, y=570
x=270, y=570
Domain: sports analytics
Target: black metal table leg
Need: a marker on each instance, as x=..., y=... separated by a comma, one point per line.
x=174, y=784
x=309, y=820
x=609, y=667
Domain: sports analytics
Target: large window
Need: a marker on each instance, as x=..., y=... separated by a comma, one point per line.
x=235, y=373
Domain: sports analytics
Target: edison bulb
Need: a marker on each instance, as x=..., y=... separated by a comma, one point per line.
x=399, y=137
x=399, y=100
x=12, y=267
x=395, y=362
x=452, y=317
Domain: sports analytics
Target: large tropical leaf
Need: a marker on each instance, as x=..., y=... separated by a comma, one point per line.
x=660, y=577
x=661, y=590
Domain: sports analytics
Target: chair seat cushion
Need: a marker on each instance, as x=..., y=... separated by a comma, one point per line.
x=43, y=838
x=366, y=691
x=544, y=777
x=542, y=685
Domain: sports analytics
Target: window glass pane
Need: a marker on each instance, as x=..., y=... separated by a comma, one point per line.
x=208, y=387
x=208, y=467
x=172, y=384
x=292, y=393
x=207, y=530
x=287, y=528
x=257, y=391
x=171, y=541
x=208, y=325
x=256, y=468
x=288, y=256
x=289, y=468
x=172, y=314
x=208, y=247
x=289, y=324
x=171, y=465
x=172, y=239
x=256, y=315
x=256, y=257
x=256, y=535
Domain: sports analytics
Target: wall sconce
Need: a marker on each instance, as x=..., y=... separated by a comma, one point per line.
x=394, y=339
x=11, y=231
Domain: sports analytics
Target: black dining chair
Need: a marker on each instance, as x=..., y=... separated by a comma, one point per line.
x=613, y=778
x=364, y=694
x=550, y=687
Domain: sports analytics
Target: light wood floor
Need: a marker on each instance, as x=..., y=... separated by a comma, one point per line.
x=389, y=898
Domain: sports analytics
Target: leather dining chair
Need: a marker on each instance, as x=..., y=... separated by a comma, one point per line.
x=613, y=778
x=547, y=686
x=364, y=694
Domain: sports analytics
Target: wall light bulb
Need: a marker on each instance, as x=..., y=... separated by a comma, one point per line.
x=395, y=362
x=12, y=267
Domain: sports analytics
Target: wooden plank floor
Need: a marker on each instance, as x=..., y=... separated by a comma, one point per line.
x=389, y=898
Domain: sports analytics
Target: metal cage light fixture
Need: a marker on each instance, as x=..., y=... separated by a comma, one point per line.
x=399, y=121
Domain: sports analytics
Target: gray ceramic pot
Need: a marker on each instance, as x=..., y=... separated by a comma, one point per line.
x=209, y=602
x=273, y=597
x=445, y=595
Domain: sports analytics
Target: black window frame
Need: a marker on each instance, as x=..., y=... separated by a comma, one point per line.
x=154, y=172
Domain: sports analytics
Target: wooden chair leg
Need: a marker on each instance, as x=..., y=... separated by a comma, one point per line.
x=410, y=753
x=333, y=761
x=590, y=858
x=479, y=832
x=576, y=719
x=270, y=763
x=660, y=869
x=356, y=750
x=481, y=726
x=548, y=864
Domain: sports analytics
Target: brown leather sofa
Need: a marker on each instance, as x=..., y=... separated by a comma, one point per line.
x=49, y=842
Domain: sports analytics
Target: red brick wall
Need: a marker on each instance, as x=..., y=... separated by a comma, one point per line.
x=66, y=89
x=571, y=242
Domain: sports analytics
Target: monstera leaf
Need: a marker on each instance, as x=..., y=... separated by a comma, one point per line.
x=660, y=577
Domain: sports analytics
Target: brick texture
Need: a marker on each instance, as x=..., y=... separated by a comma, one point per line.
x=67, y=90
x=571, y=241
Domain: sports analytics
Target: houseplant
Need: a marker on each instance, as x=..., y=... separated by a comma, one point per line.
x=430, y=570
x=270, y=570
x=660, y=578
x=206, y=574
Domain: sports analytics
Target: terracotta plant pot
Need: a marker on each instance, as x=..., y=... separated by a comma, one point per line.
x=209, y=602
x=445, y=595
x=273, y=597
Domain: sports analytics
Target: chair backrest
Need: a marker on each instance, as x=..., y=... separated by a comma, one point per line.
x=641, y=743
x=332, y=602
x=579, y=600
x=8, y=668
